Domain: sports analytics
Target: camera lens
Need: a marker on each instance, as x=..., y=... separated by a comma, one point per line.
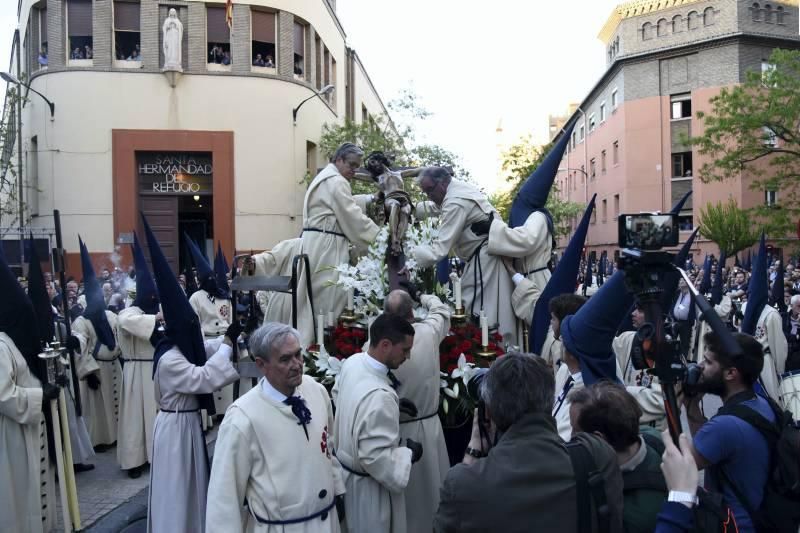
x=474, y=383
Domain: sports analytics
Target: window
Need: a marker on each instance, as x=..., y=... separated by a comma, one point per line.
x=364, y=114
x=594, y=216
x=318, y=60
x=766, y=71
x=299, y=50
x=614, y=99
x=661, y=27
x=605, y=209
x=262, y=24
x=771, y=198
x=755, y=11
x=615, y=153
x=592, y=168
x=677, y=24
x=33, y=176
x=616, y=206
x=332, y=95
x=603, y=162
x=768, y=13
x=311, y=159
x=647, y=31
x=126, y=32
x=574, y=137
x=681, y=106
x=219, y=39
x=694, y=20
x=769, y=138
x=591, y=123
x=79, y=30
x=42, y=52
x=780, y=14
x=708, y=16
x=326, y=65
x=582, y=132
x=685, y=223
x=682, y=165
x=602, y=112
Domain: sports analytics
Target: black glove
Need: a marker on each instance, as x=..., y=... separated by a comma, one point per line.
x=411, y=289
x=339, y=501
x=416, y=450
x=49, y=392
x=156, y=336
x=93, y=381
x=234, y=330
x=73, y=344
x=482, y=227
x=407, y=407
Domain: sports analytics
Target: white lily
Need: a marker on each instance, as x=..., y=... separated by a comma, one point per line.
x=464, y=370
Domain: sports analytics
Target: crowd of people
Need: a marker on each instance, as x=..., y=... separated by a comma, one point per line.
x=82, y=53
x=573, y=435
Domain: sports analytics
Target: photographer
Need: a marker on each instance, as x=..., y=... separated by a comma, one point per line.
x=735, y=453
x=527, y=477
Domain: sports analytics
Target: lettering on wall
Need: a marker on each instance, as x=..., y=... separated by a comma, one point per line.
x=175, y=173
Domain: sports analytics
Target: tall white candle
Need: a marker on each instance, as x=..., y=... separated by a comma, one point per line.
x=457, y=290
x=350, y=299
x=331, y=319
x=321, y=332
x=484, y=331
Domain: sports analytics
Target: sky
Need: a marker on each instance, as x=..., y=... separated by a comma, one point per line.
x=473, y=64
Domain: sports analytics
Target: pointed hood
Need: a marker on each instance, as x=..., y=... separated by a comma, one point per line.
x=736, y=261
x=221, y=274
x=18, y=319
x=561, y=282
x=146, y=291
x=588, y=334
x=678, y=207
x=757, y=290
x=716, y=287
x=37, y=292
x=776, y=296
x=205, y=274
x=443, y=271
x=670, y=285
x=95, y=310
x=532, y=196
x=705, y=284
x=182, y=324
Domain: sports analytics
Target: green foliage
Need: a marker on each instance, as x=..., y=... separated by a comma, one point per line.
x=518, y=162
x=752, y=130
x=729, y=226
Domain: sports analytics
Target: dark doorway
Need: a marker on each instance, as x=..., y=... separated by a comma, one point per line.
x=195, y=219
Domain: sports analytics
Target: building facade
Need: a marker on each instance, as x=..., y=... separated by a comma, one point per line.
x=209, y=149
x=666, y=59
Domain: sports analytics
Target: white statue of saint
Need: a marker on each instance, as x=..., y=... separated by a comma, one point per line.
x=173, y=39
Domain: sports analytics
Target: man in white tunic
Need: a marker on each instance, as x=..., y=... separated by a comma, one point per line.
x=187, y=370
x=419, y=378
x=137, y=331
x=95, y=330
x=376, y=461
x=273, y=452
x=27, y=490
x=485, y=283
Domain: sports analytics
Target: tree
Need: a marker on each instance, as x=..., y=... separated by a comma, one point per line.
x=729, y=226
x=753, y=128
x=518, y=162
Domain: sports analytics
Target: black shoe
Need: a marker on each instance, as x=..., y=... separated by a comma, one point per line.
x=82, y=467
x=135, y=473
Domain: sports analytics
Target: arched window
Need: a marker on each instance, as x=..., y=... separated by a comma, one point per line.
x=661, y=27
x=755, y=10
x=767, y=13
x=694, y=20
x=677, y=24
x=708, y=16
x=780, y=13
x=647, y=31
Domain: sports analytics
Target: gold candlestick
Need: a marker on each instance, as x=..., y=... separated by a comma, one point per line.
x=459, y=315
x=348, y=315
x=485, y=353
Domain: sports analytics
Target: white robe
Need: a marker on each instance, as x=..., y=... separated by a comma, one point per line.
x=484, y=274
x=563, y=423
x=138, y=408
x=419, y=378
x=769, y=332
x=179, y=468
x=27, y=483
x=530, y=245
x=262, y=456
x=101, y=406
x=367, y=430
x=644, y=387
x=215, y=317
x=330, y=205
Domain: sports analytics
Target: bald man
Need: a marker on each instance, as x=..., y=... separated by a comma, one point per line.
x=419, y=383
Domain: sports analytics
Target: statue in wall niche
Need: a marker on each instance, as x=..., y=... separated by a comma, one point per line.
x=173, y=38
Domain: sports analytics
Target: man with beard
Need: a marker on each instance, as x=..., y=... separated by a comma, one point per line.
x=732, y=449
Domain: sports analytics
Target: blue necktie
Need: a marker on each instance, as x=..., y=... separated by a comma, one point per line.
x=393, y=379
x=300, y=410
x=563, y=396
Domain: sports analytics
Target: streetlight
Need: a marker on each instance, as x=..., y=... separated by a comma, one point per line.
x=11, y=79
x=325, y=91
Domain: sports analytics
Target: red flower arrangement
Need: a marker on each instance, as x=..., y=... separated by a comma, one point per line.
x=466, y=339
x=346, y=341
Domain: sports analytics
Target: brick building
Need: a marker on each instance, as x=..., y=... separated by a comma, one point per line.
x=212, y=150
x=665, y=60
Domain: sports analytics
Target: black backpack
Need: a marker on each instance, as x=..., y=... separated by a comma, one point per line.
x=590, y=488
x=780, y=508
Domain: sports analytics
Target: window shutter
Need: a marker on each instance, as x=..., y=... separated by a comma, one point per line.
x=79, y=18
x=217, y=28
x=126, y=15
x=299, y=39
x=263, y=26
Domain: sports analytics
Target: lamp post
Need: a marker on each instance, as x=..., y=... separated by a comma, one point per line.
x=11, y=79
x=325, y=91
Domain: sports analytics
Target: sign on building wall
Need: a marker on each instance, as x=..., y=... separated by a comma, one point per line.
x=175, y=173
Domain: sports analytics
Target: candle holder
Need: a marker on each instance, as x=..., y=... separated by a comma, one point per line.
x=459, y=316
x=348, y=316
x=485, y=353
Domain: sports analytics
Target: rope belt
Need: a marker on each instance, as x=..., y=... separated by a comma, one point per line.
x=325, y=231
x=176, y=411
x=534, y=271
x=477, y=272
x=361, y=474
x=420, y=418
x=319, y=513
x=124, y=360
x=108, y=360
